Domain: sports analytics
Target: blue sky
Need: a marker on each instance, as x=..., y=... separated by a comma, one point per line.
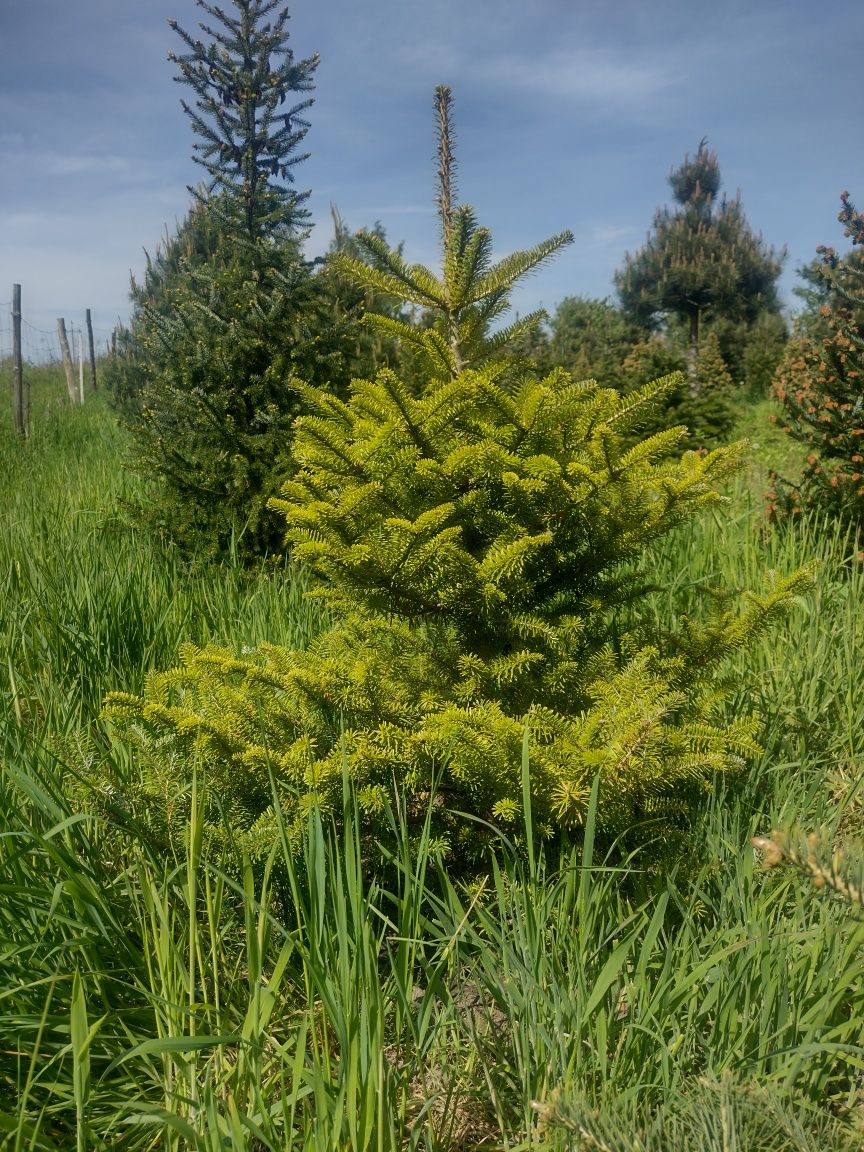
x=568, y=115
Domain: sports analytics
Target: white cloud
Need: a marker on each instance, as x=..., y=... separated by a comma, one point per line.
x=602, y=236
x=73, y=165
x=65, y=164
x=592, y=76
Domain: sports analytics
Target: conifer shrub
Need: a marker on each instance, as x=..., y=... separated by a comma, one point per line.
x=751, y=350
x=709, y=411
x=652, y=358
x=704, y=407
x=589, y=337
x=763, y=350
x=820, y=386
x=482, y=547
x=202, y=379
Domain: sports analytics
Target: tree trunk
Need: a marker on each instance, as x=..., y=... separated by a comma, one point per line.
x=693, y=354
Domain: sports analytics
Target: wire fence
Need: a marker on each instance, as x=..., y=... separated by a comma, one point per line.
x=41, y=346
x=40, y=349
x=5, y=329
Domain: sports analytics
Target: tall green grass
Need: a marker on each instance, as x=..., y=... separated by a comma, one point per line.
x=88, y=604
x=158, y=1003
x=579, y=998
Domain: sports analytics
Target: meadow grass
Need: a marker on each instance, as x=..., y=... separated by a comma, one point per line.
x=87, y=602
x=576, y=997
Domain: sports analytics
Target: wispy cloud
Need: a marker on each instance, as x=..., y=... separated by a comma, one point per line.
x=32, y=153
x=601, y=237
x=385, y=210
x=592, y=76
x=71, y=165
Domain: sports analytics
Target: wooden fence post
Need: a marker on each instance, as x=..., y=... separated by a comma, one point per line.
x=92, y=352
x=67, y=359
x=80, y=365
x=19, y=412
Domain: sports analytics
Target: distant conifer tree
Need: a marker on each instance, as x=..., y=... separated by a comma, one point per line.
x=701, y=258
x=591, y=338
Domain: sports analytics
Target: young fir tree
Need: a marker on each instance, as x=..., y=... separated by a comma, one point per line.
x=820, y=385
x=203, y=380
x=763, y=351
x=709, y=409
x=479, y=543
x=701, y=259
x=460, y=307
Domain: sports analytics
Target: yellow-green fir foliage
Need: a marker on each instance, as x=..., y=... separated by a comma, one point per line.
x=480, y=548
x=480, y=544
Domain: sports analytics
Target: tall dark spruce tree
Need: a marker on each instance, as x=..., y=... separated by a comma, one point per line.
x=244, y=79
x=230, y=314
